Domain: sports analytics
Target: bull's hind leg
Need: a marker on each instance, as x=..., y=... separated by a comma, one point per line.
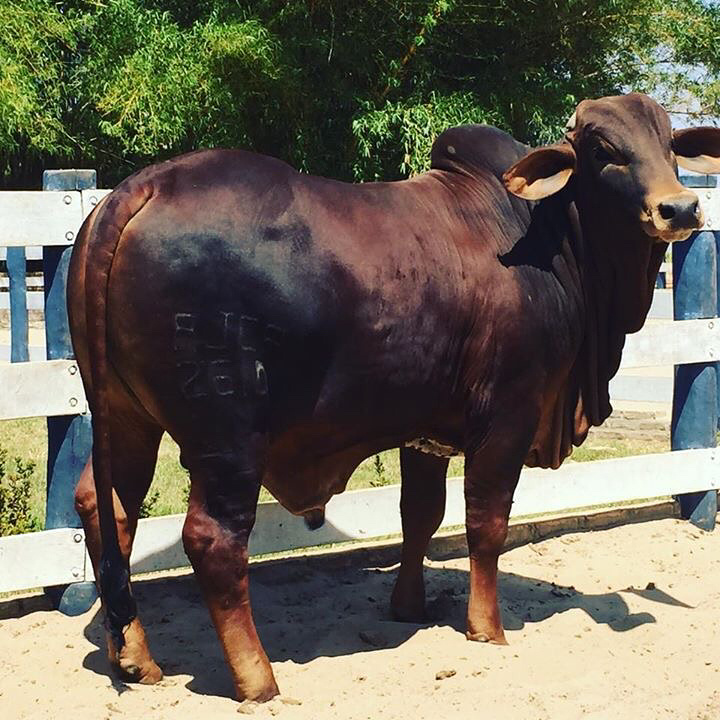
x=422, y=506
x=223, y=501
x=135, y=443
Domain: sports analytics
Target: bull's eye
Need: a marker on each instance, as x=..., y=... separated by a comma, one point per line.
x=602, y=155
x=606, y=154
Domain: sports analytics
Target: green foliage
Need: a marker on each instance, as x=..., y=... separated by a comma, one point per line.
x=186, y=491
x=161, y=87
x=380, y=477
x=356, y=90
x=404, y=131
x=15, y=490
x=148, y=508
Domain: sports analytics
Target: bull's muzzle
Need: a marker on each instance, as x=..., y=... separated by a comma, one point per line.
x=673, y=218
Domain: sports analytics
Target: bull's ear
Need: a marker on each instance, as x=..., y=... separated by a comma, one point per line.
x=543, y=172
x=698, y=149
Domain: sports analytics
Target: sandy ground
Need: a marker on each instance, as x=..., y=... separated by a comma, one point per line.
x=621, y=623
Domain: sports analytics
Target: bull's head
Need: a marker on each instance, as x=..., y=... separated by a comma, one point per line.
x=624, y=156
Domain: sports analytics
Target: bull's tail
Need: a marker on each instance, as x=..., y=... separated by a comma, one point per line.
x=104, y=231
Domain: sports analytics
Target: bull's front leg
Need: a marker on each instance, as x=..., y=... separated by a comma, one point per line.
x=489, y=487
x=221, y=514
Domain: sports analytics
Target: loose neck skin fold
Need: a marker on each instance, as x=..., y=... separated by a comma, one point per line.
x=604, y=269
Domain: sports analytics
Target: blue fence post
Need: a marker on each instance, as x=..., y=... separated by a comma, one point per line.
x=17, y=277
x=703, y=185
x=695, y=401
x=70, y=436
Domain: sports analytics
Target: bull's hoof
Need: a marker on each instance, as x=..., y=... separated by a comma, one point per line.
x=148, y=673
x=408, y=611
x=250, y=699
x=314, y=519
x=407, y=602
x=408, y=614
x=134, y=663
x=495, y=639
x=248, y=707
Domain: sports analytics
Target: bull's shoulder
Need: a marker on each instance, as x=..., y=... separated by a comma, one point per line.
x=476, y=149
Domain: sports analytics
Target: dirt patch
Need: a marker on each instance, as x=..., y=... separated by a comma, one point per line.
x=634, y=427
x=620, y=623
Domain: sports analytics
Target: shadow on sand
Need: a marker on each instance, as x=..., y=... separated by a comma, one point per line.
x=305, y=608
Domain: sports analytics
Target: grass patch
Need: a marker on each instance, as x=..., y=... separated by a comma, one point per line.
x=27, y=439
x=602, y=449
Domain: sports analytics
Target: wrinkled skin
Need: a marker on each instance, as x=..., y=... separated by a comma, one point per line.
x=283, y=327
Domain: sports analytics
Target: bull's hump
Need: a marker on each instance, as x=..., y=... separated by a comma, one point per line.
x=475, y=149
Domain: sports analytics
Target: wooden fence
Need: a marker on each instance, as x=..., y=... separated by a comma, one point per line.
x=57, y=556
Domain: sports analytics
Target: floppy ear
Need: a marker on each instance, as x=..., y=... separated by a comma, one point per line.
x=543, y=172
x=698, y=149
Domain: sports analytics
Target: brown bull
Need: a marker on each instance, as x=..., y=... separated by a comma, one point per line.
x=283, y=327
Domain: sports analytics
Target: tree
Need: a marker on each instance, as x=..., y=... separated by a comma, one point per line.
x=355, y=89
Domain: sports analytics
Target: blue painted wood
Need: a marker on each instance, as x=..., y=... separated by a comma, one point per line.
x=695, y=402
x=69, y=446
x=69, y=180
x=17, y=276
x=56, y=260
x=698, y=181
x=69, y=437
x=77, y=598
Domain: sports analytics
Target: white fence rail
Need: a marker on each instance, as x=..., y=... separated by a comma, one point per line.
x=54, y=388
x=41, y=389
x=38, y=218
x=58, y=556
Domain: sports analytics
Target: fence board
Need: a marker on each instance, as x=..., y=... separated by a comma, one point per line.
x=48, y=389
x=364, y=514
x=90, y=198
x=661, y=307
x=34, y=217
x=710, y=203
x=17, y=282
x=51, y=557
x=673, y=343
x=39, y=389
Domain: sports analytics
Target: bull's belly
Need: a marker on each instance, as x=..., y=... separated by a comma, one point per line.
x=303, y=481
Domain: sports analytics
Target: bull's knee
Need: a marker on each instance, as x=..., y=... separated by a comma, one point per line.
x=212, y=548
x=85, y=498
x=198, y=535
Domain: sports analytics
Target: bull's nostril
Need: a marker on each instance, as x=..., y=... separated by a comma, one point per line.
x=667, y=212
x=677, y=212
